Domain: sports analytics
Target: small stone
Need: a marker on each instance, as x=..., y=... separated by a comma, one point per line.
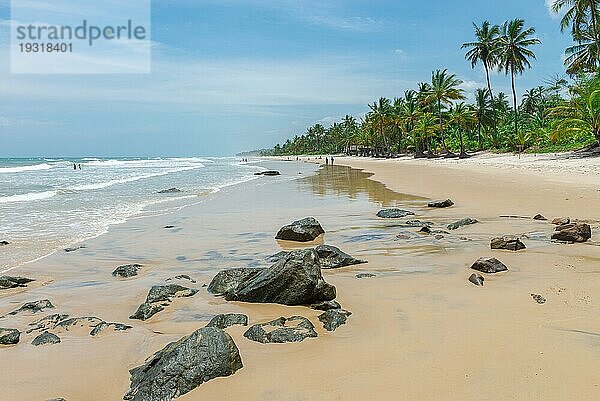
x=334, y=318
x=127, y=271
x=539, y=217
x=170, y=191
x=364, y=275
x=226, y=320
x=74, y=248
x=34, y=307
x=441, y=203
x=169, y=226
x=7, y=282
x=9, y=336
x=538, y=298
x=476, y=279
x=461, y=223
x=489, y=265
x=508, y=243
x=559, y=221
x=46, y=338
x=394, y=213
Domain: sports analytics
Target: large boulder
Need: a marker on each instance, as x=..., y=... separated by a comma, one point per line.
x=46, y=338
x=7, y=282
x=305, y=230
x=294, y=280
x=489, y=265
x=462, y=223
x=441, y=203
x=160, y=296
x=394, y=213
x=282, y=330
x=508, y=243
x=182, y=366
x=334, y=318
x=9, y=336
x=574, y=232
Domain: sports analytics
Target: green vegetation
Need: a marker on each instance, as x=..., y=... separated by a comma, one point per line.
x=433, y=119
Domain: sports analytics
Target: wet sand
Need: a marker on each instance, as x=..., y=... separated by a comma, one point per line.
x=419, y=330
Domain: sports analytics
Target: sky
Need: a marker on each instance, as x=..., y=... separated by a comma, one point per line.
x=235, y=75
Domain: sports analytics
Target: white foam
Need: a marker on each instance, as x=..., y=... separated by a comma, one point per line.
x=34, y=167
x=28, y=197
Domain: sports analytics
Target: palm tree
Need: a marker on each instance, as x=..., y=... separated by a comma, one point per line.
x=483, y=107
x=581, y=114
x=462, y=117
x=581, y=16
x=443, y=91
x=582, y=56
x=483, y=49
x=514, y=54
x=425, y=128
x=380, y=114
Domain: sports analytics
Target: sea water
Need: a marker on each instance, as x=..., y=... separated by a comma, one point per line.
x=47, y=204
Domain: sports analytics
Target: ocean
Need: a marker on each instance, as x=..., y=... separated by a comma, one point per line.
x=46, y=204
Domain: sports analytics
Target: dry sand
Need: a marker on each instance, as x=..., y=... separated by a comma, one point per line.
x=419, y=329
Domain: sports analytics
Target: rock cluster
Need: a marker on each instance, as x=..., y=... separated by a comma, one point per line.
x=159, y=297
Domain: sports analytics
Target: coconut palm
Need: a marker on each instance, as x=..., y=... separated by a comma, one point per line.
x=425, y=129
x=581, y=16
x=462, y=117
x=582, y=56
x=514, y=54
x=443, y=91
x=482, y=50
x=379, y=117
x=483, y=110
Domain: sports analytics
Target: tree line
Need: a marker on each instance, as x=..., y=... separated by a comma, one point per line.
x=434, y=118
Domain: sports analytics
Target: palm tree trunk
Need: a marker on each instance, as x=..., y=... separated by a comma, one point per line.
x=594, y=17
x=512, y=78
x=487, y=76
x=479, y=135
x=444, y=149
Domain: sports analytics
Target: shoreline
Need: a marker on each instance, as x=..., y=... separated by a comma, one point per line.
x=418, y=330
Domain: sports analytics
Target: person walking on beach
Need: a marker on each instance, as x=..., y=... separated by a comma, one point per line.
x=327, y=161
x=332, y=160
x=74, y=166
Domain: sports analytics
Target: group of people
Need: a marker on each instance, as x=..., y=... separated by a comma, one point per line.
x=244, y=160
x=329, y=160
x=76, y=166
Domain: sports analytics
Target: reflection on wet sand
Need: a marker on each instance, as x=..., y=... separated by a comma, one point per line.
x=346, y=181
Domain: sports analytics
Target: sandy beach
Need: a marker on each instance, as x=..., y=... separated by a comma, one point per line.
x=419, y=330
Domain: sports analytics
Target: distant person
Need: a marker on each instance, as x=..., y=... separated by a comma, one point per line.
x=74, y=166
x=332, y=160
x=327, y=161
x=79, y=166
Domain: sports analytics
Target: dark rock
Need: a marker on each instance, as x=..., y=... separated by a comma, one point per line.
x=282, y=330
x=576, y=232
x=34, y=307
x=439, y=236
x=416, y=223
x=169, y=226
x=305, y=230
x=227, y=281
x=331, y=257
x=268, y=173
x=294, y=280
x=508, y=243
x=476, y=279
x=538, y=298
x=225, y=320
x=276, y=257
x=101, y=327
x=48, y=322
x=160, y=296
x=489, y=265
x=539, y=217
x=461, y=223
x=7, y=282
x=57, y=399
x=9, y=336
x=4, y=243
x=394, y=213
x=74, y=248
x=365, y=275
x=77, y=322
x=425, y=230
x=326, y=305
x=561, y=220
x=182, y=277
x=126, y=271
x=182, y=366
x=441, y=203
x=170, y=191
x=46, y=338
x=334, y=318
x=406, y=235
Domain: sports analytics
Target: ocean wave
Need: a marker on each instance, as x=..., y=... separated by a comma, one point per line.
x=106, y=184
x=167, y=162
x=28, y=197
x=19, y=169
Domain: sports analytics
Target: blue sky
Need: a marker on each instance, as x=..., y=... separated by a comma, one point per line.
x=233, y=75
